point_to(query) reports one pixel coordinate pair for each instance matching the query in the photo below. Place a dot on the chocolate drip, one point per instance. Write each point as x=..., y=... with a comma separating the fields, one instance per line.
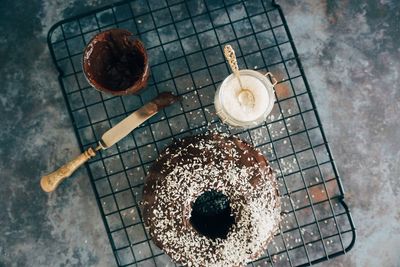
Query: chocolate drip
x=165, y=99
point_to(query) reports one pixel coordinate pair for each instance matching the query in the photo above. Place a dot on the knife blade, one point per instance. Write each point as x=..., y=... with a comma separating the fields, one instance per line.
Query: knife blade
x=50, y=182
x=124, y=127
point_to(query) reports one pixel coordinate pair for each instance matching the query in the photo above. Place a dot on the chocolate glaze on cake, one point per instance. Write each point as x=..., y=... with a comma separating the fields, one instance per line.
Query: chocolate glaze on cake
x=116, y=62
x=241, y=191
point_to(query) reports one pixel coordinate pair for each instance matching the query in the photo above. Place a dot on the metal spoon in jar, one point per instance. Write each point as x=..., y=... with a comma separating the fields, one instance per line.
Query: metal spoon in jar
x=245, y=96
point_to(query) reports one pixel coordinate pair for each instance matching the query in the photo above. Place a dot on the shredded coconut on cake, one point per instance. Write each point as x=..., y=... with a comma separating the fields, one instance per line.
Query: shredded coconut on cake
x=198, y=164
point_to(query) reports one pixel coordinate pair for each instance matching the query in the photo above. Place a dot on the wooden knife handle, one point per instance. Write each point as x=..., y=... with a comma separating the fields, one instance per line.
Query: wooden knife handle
x=50, y=182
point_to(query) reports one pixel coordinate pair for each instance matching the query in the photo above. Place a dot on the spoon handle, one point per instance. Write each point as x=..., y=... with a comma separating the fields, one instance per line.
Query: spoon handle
x=231, y=58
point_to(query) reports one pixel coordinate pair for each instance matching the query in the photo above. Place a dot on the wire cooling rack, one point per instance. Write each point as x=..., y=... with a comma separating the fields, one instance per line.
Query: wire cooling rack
x=184, y=40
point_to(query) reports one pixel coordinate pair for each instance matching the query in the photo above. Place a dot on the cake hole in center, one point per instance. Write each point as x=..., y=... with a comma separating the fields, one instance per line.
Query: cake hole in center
x=211, y=214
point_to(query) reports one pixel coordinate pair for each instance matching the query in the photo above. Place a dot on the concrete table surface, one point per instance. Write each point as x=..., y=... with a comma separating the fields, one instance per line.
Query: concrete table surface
x=351, y=55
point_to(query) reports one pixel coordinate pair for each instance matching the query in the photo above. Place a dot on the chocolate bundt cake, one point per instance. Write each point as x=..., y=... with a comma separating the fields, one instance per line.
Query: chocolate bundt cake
x=211, y=200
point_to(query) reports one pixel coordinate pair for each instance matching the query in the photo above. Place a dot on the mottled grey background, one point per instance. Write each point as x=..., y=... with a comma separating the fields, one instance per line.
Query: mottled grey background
x=351, y=55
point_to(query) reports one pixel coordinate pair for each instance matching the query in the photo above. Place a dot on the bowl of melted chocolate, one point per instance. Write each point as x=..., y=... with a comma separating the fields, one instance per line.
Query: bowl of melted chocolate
x=116, y=62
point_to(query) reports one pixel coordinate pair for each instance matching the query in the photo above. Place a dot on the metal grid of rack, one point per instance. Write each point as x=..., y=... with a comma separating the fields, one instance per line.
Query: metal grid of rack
x=184, y=40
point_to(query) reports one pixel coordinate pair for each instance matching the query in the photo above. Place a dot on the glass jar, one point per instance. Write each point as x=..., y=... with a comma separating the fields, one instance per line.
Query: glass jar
x=258, y=88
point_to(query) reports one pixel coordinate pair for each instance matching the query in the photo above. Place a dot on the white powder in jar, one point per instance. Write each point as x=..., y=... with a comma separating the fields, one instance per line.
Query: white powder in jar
x=234, y=108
